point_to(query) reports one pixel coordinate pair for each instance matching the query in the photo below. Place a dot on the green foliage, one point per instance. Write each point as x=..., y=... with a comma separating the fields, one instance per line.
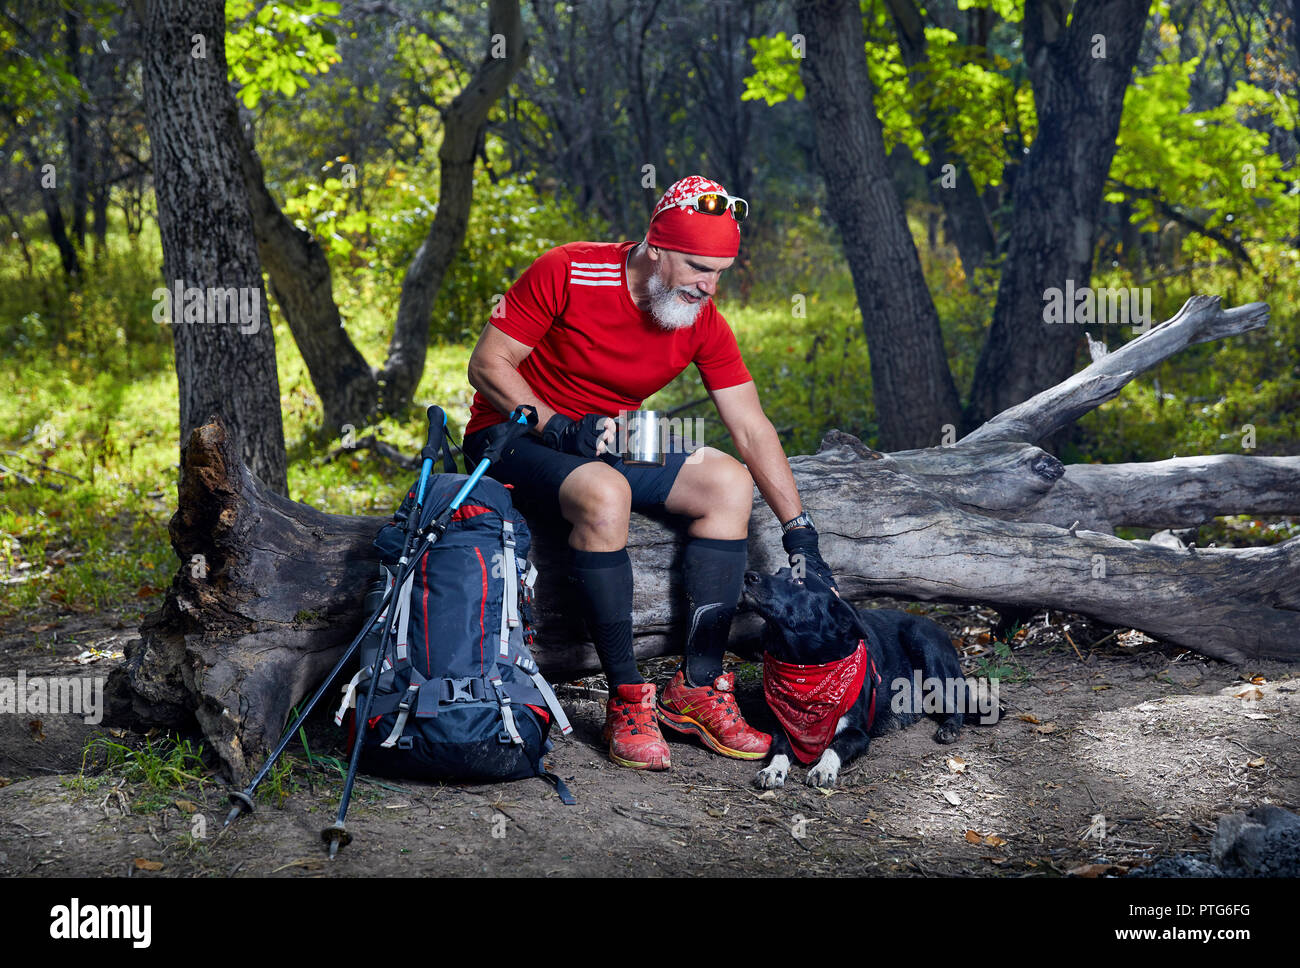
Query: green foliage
x=966, y=91
x=274, y=46
x=90, y=414
x=1213, y=164
x=776, y=71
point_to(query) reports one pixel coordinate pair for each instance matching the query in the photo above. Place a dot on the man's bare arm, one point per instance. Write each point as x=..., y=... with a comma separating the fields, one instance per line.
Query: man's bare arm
x=494, y=372
x=760, y=448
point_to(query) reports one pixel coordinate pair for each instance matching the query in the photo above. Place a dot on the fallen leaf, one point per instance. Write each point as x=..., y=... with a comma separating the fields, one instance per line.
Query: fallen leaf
x=141, y=864
x=952, y=798
x=1249, y=694
x=1089, y=870
x=993, y=840
x=1028, y=718
x=1258, y=680
x=1045, y=728
x=187, y=806
x=1256, y=762
x=956, y=764
x=1100, y=688
x=5, y=781
x=43, y=627
x=997, y=860
x=37, y=729
x=715, y=813
x=973, y=838
x=147, y=591
x=1049, y=785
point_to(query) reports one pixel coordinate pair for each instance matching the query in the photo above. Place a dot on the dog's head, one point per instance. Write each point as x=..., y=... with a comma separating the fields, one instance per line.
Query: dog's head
x=806, y=623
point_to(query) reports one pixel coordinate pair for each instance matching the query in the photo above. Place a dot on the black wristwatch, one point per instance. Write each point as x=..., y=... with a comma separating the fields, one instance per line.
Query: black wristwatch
x=801, y=521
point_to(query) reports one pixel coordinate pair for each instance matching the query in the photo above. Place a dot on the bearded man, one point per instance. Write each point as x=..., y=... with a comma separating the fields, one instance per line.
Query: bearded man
x=591, y=329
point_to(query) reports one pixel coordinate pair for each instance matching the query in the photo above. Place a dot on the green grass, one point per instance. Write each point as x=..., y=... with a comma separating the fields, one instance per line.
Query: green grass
x=157, y=770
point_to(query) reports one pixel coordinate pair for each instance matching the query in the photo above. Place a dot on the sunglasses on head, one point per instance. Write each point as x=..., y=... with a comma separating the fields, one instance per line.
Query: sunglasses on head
x=715, y=203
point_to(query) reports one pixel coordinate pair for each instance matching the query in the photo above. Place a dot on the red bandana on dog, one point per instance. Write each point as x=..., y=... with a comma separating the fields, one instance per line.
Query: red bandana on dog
x=810, y=699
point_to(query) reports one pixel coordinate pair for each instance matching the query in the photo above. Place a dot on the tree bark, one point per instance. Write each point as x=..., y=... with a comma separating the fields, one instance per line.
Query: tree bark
x=463, y=126
x=222, y=367
x=912, y=386
x=1079, y=98
x=969, y=225
x=351, y=391
x=270, y=591
x=304, y=289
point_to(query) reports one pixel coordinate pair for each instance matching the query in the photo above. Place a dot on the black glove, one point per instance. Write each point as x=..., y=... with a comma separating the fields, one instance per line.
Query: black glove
x=574, y=436
x=803, y=542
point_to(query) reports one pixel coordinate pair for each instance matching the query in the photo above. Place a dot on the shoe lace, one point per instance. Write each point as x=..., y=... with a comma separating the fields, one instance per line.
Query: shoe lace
x=640, y=716
x=726, y=703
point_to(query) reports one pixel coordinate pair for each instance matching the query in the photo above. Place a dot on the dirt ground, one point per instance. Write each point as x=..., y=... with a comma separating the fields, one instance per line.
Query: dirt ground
x=1110, y=754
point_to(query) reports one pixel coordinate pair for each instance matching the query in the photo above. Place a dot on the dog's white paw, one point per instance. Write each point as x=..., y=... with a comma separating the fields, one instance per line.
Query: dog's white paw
x=827, y=770
x=773, y=775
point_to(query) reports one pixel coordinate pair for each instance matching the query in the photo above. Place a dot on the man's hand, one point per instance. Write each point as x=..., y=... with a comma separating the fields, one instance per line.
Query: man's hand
x=591, y=436
x=801, y=545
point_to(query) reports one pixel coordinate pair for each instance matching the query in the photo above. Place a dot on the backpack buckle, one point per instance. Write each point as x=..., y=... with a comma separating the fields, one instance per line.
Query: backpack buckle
x=462, y=690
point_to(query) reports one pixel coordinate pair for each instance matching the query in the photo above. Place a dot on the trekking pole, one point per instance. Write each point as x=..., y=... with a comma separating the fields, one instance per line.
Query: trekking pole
x=242, y=800
x=336, y=835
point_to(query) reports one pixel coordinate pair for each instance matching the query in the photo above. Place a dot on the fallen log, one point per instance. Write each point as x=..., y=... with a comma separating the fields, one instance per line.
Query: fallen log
x=270, y=591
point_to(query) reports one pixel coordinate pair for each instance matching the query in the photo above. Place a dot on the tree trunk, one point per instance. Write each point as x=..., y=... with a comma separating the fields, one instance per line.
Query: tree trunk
x=969, y=225
x=58, y=231
x=224, y=365
x=1056, y=202
x=270, y=591
x=463, y=126
x=304, y=289
x=912, y=386
x=350, y=390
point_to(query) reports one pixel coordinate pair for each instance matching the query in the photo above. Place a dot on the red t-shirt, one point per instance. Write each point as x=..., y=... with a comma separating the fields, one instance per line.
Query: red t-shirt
x=594, y=351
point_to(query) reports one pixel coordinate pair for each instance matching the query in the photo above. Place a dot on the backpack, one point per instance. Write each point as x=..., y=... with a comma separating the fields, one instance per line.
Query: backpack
x=459, y=696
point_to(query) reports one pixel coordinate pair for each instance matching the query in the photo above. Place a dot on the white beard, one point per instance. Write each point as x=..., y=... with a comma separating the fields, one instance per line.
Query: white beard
x=668, y=310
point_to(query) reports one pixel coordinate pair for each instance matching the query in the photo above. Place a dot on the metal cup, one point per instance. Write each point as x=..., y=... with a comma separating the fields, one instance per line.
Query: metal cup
x=641, y=436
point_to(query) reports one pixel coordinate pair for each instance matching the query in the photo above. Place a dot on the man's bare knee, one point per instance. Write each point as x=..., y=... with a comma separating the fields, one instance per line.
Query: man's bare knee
x=597, y=501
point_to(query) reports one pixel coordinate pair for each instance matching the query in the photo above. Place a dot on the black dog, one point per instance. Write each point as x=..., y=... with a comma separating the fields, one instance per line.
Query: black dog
x=821, y=650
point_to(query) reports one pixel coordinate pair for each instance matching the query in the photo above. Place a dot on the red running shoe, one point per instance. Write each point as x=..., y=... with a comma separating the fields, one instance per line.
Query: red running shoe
x=711, y=713
x=631, y=731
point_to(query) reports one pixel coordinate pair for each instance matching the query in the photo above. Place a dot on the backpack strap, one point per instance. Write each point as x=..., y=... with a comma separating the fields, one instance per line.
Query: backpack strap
x=507, y=714
x=350, y=693
x=529, y=668
x=404, y=706
x=510, y=602
x=402, y=649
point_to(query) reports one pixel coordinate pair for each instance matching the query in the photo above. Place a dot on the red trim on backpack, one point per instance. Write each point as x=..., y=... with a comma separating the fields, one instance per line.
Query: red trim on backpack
x=469, y=511
x=541, y=711
x=482, y=606
x=424, y=571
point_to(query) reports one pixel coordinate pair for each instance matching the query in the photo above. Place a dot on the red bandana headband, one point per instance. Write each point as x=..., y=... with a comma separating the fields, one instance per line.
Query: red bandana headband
x=810, y=699
x=686, y=230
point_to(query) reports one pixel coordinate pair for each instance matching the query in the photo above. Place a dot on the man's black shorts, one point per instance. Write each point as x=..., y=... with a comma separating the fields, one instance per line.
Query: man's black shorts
x=537, y=471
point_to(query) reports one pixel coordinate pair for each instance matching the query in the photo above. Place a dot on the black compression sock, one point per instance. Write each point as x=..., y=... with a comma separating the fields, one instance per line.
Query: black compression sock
x=713, y=572
x=604, y=580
